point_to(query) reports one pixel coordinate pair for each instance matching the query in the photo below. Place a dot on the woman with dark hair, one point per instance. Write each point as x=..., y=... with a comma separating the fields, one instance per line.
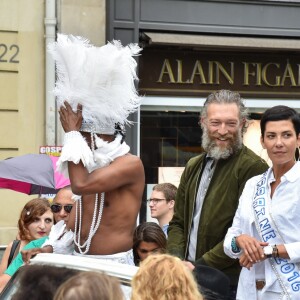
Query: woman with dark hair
x=265, y=234
x=148, y=238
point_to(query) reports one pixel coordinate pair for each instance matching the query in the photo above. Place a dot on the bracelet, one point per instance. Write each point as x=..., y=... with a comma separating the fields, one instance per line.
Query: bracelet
x=275, y=251
x=234, y=246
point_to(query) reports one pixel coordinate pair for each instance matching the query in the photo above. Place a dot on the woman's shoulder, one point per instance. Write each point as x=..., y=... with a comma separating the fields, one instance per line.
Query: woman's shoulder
x=253, y=180
x=8, y=247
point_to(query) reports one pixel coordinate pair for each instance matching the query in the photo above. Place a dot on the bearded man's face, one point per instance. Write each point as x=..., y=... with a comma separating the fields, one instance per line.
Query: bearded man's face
x=222, y=130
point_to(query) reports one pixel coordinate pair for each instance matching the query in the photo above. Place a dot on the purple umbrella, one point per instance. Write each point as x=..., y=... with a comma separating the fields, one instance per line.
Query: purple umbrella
x=32, y=174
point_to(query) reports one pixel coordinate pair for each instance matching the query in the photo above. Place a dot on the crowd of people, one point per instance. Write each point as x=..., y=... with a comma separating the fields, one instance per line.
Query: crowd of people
x=229, y=231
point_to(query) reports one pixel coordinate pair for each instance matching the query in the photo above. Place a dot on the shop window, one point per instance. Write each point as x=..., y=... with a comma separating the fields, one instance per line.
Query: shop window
x=168, y=139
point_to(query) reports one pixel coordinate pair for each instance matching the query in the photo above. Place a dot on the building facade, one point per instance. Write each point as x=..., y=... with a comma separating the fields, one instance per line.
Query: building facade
x=28, y=115
x=191, y=48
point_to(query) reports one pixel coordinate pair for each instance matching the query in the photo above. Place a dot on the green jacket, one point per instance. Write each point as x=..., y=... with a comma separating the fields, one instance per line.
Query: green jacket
x=218, y=210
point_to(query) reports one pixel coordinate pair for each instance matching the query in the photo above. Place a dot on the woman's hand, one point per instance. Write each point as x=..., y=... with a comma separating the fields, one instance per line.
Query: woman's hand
x=70, y=121
x=245, y=262
x=252, y=248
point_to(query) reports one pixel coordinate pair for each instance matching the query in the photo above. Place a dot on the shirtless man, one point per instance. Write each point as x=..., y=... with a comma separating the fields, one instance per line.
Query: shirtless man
x=122, y=181
x=95, y=94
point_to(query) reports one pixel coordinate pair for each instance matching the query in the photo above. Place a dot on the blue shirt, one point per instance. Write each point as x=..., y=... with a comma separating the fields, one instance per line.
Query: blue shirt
x=165, y=229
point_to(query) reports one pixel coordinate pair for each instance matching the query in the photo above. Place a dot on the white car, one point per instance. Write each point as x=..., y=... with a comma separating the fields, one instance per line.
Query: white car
x=122, y=272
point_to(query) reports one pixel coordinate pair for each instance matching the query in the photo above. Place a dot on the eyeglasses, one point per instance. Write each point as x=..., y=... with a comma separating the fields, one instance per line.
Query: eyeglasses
x=154, y=200
x=55, y=208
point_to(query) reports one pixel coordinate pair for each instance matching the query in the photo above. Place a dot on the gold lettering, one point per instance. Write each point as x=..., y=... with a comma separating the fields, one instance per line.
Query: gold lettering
x=288, y=73
x=247, y=72
x=211, y=72
x=198, y=70
x=166, y=70
x=219, y=68
x=258, y=74
x=179, y=72
x=264, y=75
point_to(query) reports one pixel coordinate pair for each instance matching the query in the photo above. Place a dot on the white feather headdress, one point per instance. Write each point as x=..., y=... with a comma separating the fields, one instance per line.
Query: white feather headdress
x=102, y=79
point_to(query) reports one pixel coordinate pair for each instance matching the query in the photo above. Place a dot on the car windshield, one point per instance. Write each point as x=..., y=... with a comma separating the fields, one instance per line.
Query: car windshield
x=71, y=266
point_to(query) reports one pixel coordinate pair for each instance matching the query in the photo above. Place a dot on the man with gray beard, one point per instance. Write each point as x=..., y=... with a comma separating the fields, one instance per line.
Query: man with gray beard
x=211, y=185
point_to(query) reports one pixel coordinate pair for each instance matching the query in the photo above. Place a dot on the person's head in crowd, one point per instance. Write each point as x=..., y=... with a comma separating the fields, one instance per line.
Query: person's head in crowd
x=212, y=283
x=90, y=286
x=148, y=238
x=62, y=204
x=276, y=114
x=162, y=202
x=41, y=281
x=280, y=113
x=164, y=277
x=36, y=220
x=223, y=121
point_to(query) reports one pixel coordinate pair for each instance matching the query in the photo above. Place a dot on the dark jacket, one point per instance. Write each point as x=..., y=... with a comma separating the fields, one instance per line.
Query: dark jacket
x=218, y=210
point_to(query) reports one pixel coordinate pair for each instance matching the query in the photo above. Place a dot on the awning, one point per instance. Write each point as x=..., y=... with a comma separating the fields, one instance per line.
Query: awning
x=209, y=41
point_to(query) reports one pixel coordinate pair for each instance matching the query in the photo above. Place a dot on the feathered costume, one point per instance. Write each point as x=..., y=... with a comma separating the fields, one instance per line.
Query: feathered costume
x=102, y=80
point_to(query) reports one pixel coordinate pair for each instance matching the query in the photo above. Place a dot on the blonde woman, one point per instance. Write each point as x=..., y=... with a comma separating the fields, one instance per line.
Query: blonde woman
x=164, y=277
x=90, y=286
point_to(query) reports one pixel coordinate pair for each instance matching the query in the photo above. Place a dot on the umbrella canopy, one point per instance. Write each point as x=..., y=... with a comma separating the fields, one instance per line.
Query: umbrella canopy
x=32, y=174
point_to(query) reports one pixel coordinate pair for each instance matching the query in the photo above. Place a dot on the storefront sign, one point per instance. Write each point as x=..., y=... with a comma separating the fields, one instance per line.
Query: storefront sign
x=51, y=150
x=197, y=73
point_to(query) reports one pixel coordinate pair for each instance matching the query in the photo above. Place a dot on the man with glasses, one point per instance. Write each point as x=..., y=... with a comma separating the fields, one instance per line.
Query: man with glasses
x=62, y=204
x=162, y=203
x=211, y=185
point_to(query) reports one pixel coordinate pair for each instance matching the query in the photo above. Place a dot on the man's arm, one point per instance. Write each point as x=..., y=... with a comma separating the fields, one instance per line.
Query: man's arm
x=176, y=241
x=216, y=256
x=252, y=169
x=123, y=171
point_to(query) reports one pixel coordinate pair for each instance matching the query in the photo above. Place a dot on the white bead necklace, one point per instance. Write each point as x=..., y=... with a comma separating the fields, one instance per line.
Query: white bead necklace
x=94, y=226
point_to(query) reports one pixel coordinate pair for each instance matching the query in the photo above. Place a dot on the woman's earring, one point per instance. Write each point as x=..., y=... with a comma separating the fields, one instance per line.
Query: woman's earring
x=297, y=154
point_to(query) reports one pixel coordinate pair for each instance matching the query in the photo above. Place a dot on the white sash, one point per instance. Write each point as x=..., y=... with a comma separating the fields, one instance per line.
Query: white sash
x=286, y=272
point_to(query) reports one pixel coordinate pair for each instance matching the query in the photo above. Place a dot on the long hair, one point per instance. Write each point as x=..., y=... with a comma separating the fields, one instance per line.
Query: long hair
x=164, y=277
x=149, y=232
x=32, y=209
x=89, y=286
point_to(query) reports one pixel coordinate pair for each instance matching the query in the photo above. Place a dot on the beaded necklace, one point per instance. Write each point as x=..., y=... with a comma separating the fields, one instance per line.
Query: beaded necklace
x=105, y=154
x=97, y=215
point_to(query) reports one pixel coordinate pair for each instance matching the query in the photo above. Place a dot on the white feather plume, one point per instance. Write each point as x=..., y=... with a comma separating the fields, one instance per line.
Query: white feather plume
x=102, y=79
